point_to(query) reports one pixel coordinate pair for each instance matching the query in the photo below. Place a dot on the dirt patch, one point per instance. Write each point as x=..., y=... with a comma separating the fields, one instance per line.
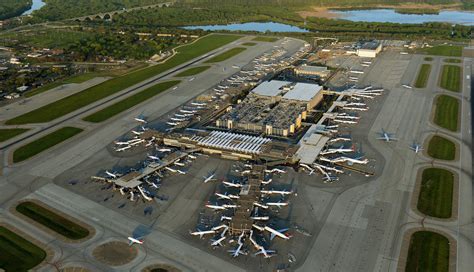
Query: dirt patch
x=115, y=253
x=161, y=268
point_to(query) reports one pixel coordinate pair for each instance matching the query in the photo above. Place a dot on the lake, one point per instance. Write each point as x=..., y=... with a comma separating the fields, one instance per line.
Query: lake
x=37, y=4
x=390, y=16
x=259, y=27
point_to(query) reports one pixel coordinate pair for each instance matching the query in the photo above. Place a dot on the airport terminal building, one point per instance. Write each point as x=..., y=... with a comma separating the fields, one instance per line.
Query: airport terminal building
x=273, y=108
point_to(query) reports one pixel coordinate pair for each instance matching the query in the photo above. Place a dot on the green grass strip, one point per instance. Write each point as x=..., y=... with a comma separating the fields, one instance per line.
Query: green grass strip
x=249, y=44
x=443, y=50
x=129, y=102
x=52, y=220
x=441, y=148
x=428, y=251
x=74, y=79
x=452, y=60
x=226, y=55
x=436, y=194
x=265, y=39
x=428, y=58
x=76, y=101
x=193, y=71
x=447, y=111
x=7, y=133
x=451, y=78
x=423, y=76
x=17, y=253
x=29, y=150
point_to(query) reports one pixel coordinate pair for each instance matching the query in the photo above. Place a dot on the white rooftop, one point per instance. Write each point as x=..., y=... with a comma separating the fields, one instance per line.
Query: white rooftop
x=303, y=92
x=270, y=88
x=310, y=147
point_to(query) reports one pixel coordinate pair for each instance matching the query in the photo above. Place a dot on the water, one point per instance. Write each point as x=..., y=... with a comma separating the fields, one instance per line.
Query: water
x=260, y=27
x=390, y=16
x=37, y=4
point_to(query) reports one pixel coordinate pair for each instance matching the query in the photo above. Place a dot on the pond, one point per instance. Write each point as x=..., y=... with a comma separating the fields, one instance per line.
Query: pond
x=254, y=26
x=391, y=16
x=37, y=4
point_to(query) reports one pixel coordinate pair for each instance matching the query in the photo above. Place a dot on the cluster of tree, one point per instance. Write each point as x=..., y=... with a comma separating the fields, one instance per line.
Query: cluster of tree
x=12, y=8
x=121, y=46
x=292, y=3
x=63, y=9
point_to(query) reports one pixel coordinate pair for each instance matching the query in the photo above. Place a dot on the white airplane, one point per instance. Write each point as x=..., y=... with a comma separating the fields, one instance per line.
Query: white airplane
x=341, y=149
x=235, y=66
x=181, y=172
x=122, y=143
x=272, y=192
x=386, y=136
x=260, y=205
x=209, y=178
x=236, y=252
x=112, y=175
x=123, y=148
x=280, y=233
x=277, y=204
x=226, y=218
x=217, y=242
x=416, y=147
x=365, y=65
x=407, y=86
x=356, y=72
x=261, y=218
x=198, y=104
x=201, y=233
x=227, y=196
x=180, y=115
x=177, y=120
x=192, y=157
x=143, y=194
x=172, y=124
x=275, y=170
x=231, y=184
x=163, y=150
x=135, y=241
x=266, y=182
x=137, y=132
x=188, y=111
x=140, y=119
x=215, y=207
x=191, y=79
x=403, y=53
x=175, y=87
x=267, y=253
x=171, y=169
x=179, y=163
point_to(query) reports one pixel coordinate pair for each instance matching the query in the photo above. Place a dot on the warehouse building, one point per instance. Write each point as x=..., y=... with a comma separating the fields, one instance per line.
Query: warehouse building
x=273, y=108
x=369, y=49
x=309, y=70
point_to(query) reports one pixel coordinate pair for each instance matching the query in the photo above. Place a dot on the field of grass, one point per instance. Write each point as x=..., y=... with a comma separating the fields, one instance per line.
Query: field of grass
x=129, y=102
x=17, y=253
x=428, y=251
x=8, y=133
x=436, y=194
x=249, y=44
x=443, y=50
x=52, y=220
x=76, y=101
x=452, y=60
x=226, y=55
x=446, y=114
x=265, y=39
x=31, y=149
x=428, y=58
x=423, y=76
x=193, y=71
x=451, y=78
x=441, y=148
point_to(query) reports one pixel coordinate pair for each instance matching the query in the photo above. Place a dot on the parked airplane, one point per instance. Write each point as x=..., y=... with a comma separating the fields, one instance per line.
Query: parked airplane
x=217, y=242
x=201, y=233
x=181, y=172
x=135, y=241
x=209, y=178
x=123, y=148
x=138, y=133
x=386, y=136
x=163, y=150
x=407, y=86
x=215, y=207
x=173, y=124
x=278, y=204
x=232, y=184
x=280, y=233
x=416, y=147
x=141, y=119
x=112, y=175
x=267, y=253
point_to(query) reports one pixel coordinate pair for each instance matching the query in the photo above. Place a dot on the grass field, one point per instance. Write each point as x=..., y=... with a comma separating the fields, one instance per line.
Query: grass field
x=52, y=220
x=446, y=114
x=423, y=76
x=441, y=148
x=129, y=102
x=452, y=60
x=436, y=194
x=265, y=39
x=29, y=150
x=428, y=251
x=17, y=253
x=428, y=58
x=451, y=78
x=193, y=71
x=226, y=55
x=443, y=50
x=249, y=44
x=7, y=133
x=76, y=101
